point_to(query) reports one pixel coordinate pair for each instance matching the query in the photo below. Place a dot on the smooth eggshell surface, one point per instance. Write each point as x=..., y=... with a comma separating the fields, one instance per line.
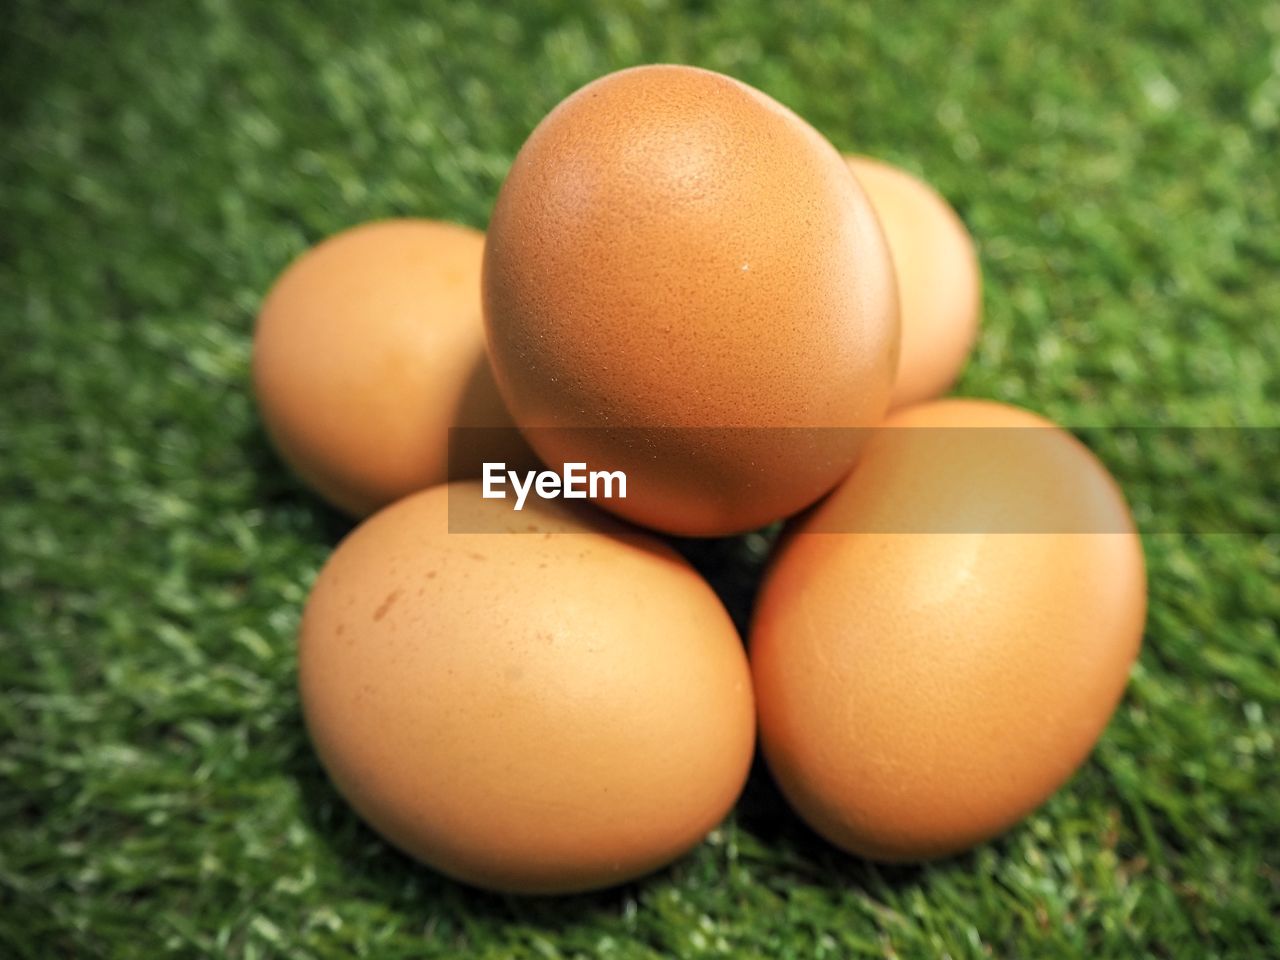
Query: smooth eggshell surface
x=556, y=707
x=919, y=692
x=939, y=279
x=368, y=348
x=673, y=249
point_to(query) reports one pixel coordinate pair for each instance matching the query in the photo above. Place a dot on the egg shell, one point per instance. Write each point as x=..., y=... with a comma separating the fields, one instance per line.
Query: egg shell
x=555, y=705
x=939, y=279
x=920, y=692
x=368, y=348
x=673, y=249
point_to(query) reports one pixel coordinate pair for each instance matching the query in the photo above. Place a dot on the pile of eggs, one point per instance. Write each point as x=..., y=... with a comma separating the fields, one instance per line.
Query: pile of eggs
x=553, y=700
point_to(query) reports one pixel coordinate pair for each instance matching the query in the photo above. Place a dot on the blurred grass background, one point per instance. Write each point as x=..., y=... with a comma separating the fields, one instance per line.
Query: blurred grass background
x=160, y=163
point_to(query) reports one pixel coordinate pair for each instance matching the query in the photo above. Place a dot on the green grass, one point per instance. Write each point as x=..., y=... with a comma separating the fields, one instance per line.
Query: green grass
x=160, y=164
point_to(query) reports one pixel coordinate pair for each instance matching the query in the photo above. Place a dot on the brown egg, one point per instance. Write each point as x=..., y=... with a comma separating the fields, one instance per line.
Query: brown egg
x=672, y=252
x=940, y=643
x=554, y=705
x=939, y=280
x=368, y=349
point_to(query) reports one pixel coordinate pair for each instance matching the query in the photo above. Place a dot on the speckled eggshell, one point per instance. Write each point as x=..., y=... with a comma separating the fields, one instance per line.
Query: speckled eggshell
x=919, y=692
x=675, y=249
x=368, y=348
x=556, y=708
x=939, y=279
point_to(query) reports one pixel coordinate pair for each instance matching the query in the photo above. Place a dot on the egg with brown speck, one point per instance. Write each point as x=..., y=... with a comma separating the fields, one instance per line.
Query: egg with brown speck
x=550, y=703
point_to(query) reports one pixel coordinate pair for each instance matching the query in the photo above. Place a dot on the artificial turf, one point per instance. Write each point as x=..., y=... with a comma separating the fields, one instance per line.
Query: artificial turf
x=160, y=163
